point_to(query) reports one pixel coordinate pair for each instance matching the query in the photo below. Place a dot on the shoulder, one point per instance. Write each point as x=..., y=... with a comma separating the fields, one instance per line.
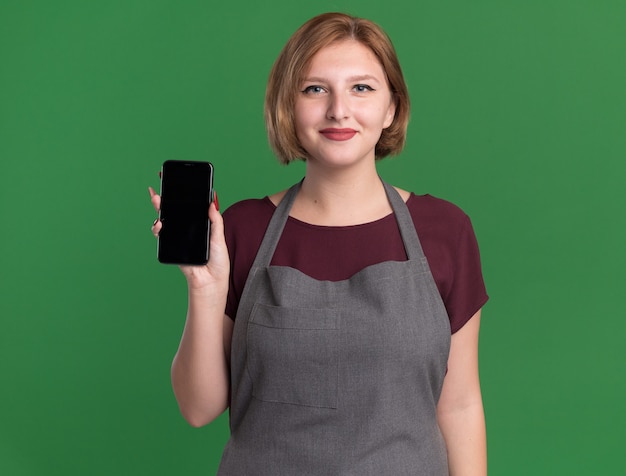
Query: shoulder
x=247, y=215
x=248, y=208
x=430, y=209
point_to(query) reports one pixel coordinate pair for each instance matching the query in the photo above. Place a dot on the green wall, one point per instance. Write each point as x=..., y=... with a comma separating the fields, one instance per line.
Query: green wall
x=519, y=117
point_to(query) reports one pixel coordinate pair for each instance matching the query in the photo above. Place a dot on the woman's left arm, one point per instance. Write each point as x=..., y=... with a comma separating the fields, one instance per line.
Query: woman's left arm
x=460, y=409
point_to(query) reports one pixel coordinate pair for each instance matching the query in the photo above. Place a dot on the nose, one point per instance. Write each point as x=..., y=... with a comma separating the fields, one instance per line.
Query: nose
x=338, y=107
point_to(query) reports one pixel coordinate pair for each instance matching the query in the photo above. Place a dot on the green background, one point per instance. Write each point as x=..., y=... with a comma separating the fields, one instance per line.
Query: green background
x=519, y=117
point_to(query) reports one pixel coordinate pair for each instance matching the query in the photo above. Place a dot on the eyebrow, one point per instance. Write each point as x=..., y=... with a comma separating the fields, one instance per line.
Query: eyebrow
x=351, y=79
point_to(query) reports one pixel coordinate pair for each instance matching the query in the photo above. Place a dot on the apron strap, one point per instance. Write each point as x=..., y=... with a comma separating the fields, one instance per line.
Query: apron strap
x=275, y=228
x=277, y=223
x=411, y=241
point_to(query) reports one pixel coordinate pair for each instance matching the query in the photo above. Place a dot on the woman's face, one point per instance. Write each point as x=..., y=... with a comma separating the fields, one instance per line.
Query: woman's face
x=343, y=105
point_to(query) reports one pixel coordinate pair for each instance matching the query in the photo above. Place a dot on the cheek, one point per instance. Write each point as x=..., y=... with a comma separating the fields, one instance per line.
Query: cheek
x=298, y=118
x=302, y=125
x=302, y=115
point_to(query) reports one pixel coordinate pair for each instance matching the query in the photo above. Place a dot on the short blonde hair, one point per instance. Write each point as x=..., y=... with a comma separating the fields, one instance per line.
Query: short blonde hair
x=291, y=65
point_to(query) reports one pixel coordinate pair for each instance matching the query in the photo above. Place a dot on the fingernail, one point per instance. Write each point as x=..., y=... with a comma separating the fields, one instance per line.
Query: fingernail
x=217, y=202
x=155, y=222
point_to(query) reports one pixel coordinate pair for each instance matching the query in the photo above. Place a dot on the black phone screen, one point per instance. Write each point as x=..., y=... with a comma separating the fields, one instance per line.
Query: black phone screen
x=186, y=193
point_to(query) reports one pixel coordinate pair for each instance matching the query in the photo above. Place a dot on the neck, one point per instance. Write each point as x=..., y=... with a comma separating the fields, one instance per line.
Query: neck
x=341, y=197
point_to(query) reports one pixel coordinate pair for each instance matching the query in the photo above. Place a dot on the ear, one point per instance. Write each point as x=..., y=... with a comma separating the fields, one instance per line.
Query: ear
x=391, y=112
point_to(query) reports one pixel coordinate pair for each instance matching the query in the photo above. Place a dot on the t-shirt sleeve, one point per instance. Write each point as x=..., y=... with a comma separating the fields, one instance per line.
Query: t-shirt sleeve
x=244, y=226
x=232, y=299
x=467, y=293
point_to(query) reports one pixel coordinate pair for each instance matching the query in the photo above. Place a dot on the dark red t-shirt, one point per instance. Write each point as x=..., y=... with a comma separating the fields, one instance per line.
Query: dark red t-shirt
x=337, y=253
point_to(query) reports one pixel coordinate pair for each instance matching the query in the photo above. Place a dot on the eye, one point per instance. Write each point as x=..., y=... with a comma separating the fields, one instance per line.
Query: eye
x=313, y=89
x=362, y=88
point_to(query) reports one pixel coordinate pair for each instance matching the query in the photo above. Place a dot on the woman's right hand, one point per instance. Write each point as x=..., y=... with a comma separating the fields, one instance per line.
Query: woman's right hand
x=216, y=271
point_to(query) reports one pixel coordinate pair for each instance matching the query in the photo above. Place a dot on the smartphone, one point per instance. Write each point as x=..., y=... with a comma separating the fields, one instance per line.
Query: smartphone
x=186, y=193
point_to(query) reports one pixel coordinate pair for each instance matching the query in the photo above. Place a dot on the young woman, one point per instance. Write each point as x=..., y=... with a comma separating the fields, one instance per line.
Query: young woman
x=338, y=321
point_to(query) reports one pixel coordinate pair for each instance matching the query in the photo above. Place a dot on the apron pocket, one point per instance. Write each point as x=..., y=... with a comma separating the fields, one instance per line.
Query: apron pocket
x=293, y=355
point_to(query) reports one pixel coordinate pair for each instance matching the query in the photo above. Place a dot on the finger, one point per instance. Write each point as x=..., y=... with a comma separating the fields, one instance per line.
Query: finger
x=156, y=227
x=155, y=198
x=216, y=201
x=218, y=253
x=217, y=224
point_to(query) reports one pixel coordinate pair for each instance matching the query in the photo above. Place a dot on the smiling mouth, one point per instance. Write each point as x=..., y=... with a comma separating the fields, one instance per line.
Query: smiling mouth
x=338, y=134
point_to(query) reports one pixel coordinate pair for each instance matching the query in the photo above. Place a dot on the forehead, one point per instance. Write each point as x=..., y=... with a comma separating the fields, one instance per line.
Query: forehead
x=345, y=55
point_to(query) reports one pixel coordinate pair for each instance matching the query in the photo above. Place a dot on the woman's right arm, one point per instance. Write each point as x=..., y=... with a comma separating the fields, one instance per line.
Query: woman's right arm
x=200, y=370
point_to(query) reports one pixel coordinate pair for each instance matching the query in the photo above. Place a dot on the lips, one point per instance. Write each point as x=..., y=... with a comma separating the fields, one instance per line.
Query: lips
x=338, y=134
